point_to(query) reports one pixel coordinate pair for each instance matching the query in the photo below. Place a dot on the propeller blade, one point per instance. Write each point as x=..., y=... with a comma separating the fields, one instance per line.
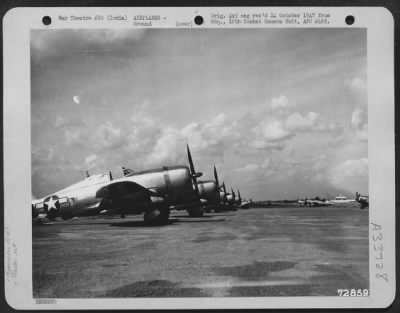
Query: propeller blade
x=190, y=160
x=239, y=195
x=191, y=165
x=223, y=186
x=193, y=171
x=233, y=194
x=216, y=176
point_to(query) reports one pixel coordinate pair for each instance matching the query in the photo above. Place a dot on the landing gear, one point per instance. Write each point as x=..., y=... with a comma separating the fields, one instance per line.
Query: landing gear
x=196, y=212
x=156, y=217
x=66, y=217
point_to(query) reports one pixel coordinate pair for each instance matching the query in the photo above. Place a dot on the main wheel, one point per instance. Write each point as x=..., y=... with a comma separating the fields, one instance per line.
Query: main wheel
x=196, y=212
x=156, y=217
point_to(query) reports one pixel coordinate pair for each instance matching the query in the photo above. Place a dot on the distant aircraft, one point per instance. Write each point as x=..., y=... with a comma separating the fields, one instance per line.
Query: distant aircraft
x=362, y=200
x=243, y=204
x=313, y=202
x=230, y=197
x=301, y=202
x=152, y=192
x=341, y=199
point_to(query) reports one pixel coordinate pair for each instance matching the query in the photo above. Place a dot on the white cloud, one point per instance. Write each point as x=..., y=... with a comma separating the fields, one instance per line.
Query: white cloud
x=107, y=136
x=248, y=168
x=359, y=122
x=319, y=162
x=168, y=149
x=281, y=104
x=341, y=174
x=356, y=83
x=90, y=161
x=310, y=121
x=73, y=135
x=42, y=155
x=358, y=118
x=272, y=131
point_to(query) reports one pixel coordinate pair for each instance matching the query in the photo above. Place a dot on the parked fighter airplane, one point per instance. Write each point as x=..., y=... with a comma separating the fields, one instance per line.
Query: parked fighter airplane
x=209, y=190
x=243, y=204
x=153, y=192
x=362, y=200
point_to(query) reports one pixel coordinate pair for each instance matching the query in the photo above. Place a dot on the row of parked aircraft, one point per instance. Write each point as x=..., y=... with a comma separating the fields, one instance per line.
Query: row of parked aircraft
x=154, y=192
x=362, y=200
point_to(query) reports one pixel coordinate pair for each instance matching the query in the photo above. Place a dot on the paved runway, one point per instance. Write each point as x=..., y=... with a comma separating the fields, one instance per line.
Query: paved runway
x=293, y=251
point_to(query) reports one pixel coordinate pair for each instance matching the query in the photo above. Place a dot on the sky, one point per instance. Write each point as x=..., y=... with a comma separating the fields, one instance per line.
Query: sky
x=282, y=113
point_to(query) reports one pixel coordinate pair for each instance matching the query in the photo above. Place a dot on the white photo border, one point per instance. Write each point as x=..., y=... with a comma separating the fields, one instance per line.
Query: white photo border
x=17, y=24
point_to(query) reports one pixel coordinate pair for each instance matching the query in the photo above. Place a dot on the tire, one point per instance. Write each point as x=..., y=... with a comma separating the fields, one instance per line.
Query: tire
x=156, y=217
x=196, y=212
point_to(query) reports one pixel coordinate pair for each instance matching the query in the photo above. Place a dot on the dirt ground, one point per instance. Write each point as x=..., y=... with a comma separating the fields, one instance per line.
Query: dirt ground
x=293, y=251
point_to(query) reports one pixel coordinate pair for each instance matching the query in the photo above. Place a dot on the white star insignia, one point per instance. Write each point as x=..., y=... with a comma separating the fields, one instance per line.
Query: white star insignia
x=51, y=204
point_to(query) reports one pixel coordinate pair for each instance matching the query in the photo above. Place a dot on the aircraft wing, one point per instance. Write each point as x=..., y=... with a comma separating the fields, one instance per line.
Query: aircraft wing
x=127, y=194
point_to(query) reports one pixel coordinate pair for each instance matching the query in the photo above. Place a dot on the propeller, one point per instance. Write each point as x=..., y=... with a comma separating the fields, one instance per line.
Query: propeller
x=193, y=173
x=223, y=186
x=216, y=177
x=240, y=199
x=233, y=194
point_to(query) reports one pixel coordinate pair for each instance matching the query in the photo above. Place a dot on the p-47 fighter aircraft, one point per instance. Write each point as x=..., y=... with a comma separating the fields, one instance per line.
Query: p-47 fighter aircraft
x=152, y=192
x=242, y=203
x=210, y=191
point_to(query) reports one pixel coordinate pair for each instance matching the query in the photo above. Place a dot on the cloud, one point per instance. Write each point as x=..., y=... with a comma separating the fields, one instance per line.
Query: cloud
x=359, y=123
x=271, y=131
x=308, y=122
x=74, y=135
x=90, y=161
x=207, y=140
x=248, y=168
x=42, y=155
x=356, y=84
x=348, y=170
x=107, y=136
x=167, y=149
x=281, y=104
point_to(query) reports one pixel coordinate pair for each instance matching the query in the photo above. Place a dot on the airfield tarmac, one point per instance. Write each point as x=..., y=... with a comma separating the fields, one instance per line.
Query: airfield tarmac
x=285, y=251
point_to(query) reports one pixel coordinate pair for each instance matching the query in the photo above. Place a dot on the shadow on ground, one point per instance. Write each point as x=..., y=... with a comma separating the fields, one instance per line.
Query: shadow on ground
x=154, y=288
x=271, y=291
x=258, y=271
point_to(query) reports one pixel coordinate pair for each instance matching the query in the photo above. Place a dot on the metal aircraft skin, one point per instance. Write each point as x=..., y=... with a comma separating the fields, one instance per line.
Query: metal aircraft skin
x=210, y=191
x=362, y=200
x=153, y=192
x=243, y=204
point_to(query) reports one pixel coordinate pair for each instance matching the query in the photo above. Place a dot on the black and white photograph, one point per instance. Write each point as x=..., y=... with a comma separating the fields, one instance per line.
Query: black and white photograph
x=184, y=162
x=211, y=162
